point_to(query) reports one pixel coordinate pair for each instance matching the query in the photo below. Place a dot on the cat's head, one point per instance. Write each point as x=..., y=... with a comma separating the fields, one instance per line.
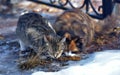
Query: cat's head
x=55, y=45
x=75, y=43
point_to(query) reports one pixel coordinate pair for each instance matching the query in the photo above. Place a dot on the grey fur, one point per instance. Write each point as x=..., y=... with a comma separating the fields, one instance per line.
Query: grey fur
x=32, y=30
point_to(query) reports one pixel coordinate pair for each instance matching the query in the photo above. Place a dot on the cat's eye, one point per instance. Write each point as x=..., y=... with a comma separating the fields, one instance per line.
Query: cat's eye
x=61, y=44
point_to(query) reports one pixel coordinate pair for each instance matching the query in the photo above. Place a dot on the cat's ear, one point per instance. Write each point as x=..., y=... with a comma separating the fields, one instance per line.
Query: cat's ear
x=63, y=40
x=47, y=38
x=67, y=35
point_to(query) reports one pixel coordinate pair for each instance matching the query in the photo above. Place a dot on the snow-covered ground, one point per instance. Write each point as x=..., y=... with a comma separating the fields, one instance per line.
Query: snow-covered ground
x=99, y=63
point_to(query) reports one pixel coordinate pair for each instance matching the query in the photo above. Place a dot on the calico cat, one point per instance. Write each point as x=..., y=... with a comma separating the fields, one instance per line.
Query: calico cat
x=76, y=23
x=73, y=42
x=36, y=32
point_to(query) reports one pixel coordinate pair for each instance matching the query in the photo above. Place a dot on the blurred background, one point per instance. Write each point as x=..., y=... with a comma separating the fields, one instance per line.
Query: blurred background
x=10, y=10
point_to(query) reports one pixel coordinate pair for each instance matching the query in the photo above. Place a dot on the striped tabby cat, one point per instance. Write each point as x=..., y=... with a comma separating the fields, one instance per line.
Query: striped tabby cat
x=36, y=32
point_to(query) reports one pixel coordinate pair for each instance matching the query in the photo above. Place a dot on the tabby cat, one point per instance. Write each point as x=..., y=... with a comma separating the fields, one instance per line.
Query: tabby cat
x=36, y=32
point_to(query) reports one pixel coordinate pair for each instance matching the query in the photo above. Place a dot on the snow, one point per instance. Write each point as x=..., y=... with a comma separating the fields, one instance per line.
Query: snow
x=8, y=30
x=70, y=54
x=99, y=63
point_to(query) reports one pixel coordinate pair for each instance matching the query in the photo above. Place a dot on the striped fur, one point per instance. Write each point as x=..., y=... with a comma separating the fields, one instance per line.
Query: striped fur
x=36, y=32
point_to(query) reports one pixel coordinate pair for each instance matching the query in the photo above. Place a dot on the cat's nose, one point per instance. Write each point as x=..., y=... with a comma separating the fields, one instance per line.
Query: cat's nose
x=56, y=56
